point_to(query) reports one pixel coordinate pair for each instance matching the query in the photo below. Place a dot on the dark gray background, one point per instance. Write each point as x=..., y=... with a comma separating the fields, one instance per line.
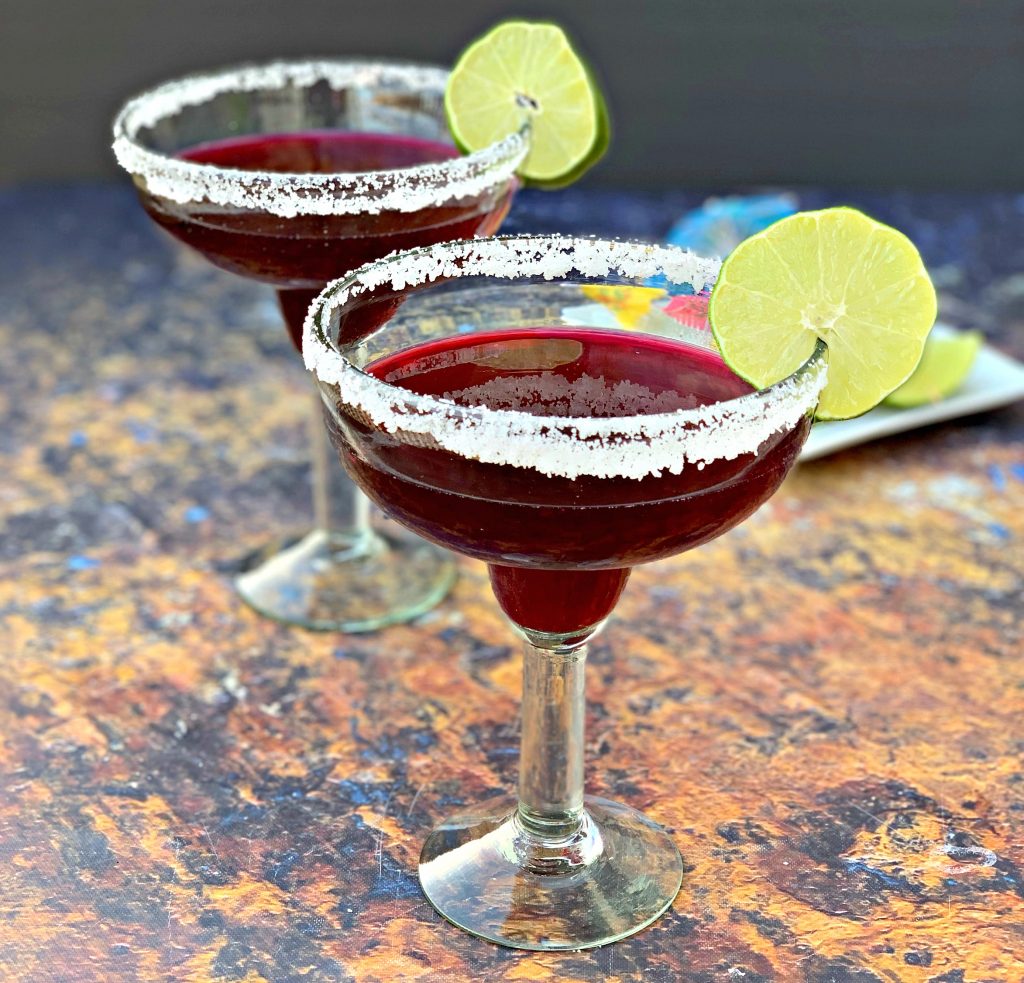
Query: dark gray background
x=921, y=93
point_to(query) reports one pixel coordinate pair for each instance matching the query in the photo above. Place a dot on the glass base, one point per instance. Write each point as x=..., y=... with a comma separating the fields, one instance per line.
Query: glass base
x=488, y=875
x=329, y=582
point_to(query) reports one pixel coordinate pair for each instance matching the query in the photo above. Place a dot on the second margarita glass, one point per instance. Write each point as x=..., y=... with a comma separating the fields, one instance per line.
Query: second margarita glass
x=471, y=395
x=292, y=173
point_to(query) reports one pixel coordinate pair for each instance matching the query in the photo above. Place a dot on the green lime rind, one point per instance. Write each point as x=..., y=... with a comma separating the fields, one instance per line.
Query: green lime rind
x=835, y=275
x=944, y=366
x=525, y=73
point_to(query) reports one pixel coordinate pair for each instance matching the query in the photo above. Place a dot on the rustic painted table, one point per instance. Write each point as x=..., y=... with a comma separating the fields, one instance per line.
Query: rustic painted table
x=824, y=706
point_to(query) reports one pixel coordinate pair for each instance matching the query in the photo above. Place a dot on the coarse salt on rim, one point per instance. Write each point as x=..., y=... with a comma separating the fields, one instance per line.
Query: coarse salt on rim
x=288, y=194
x=565, y=446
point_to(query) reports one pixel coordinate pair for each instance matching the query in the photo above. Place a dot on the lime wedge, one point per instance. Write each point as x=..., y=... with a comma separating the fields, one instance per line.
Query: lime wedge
x=522, y=72
x=837, y=275
x=941, y=371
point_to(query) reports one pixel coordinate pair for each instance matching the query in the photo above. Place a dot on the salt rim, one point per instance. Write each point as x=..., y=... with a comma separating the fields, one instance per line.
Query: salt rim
x=625, y=446
x=404, y=189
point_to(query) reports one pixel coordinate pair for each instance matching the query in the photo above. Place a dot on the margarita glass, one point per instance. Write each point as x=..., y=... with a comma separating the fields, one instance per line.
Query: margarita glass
x=292, y=173
x=466, y=398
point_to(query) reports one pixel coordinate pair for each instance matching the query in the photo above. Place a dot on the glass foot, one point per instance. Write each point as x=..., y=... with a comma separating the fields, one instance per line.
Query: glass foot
x=613, y=877
x=329, y=583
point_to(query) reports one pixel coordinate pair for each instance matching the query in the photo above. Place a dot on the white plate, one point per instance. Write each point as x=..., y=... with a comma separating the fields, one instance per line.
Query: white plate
x=995, y=380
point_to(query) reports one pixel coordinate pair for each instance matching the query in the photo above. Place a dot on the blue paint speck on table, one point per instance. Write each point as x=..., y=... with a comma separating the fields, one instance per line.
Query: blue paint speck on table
x=142, y=432
x=78, y=562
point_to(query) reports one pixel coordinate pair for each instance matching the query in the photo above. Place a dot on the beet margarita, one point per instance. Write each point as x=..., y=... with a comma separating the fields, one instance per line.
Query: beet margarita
x=560, y=549
x=299, y=254
x=485, y=419
x=291, y=173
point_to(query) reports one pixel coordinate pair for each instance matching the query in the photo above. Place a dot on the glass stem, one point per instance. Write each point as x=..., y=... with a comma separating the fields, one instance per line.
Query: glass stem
x=339, y=507
x=551, y=750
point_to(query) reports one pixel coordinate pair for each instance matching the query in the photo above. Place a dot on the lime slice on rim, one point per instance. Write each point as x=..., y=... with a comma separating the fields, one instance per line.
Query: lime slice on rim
x=941, y=371
x=528, y=72
x=858, y=285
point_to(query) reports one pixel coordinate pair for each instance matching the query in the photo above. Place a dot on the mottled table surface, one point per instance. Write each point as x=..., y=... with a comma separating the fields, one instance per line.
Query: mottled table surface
x=824, y=706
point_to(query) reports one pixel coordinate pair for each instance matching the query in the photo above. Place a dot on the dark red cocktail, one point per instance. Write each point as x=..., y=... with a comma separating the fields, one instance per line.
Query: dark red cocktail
x=561, y=455
x=299, y=254
x=559, y=549
x=292, y=173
